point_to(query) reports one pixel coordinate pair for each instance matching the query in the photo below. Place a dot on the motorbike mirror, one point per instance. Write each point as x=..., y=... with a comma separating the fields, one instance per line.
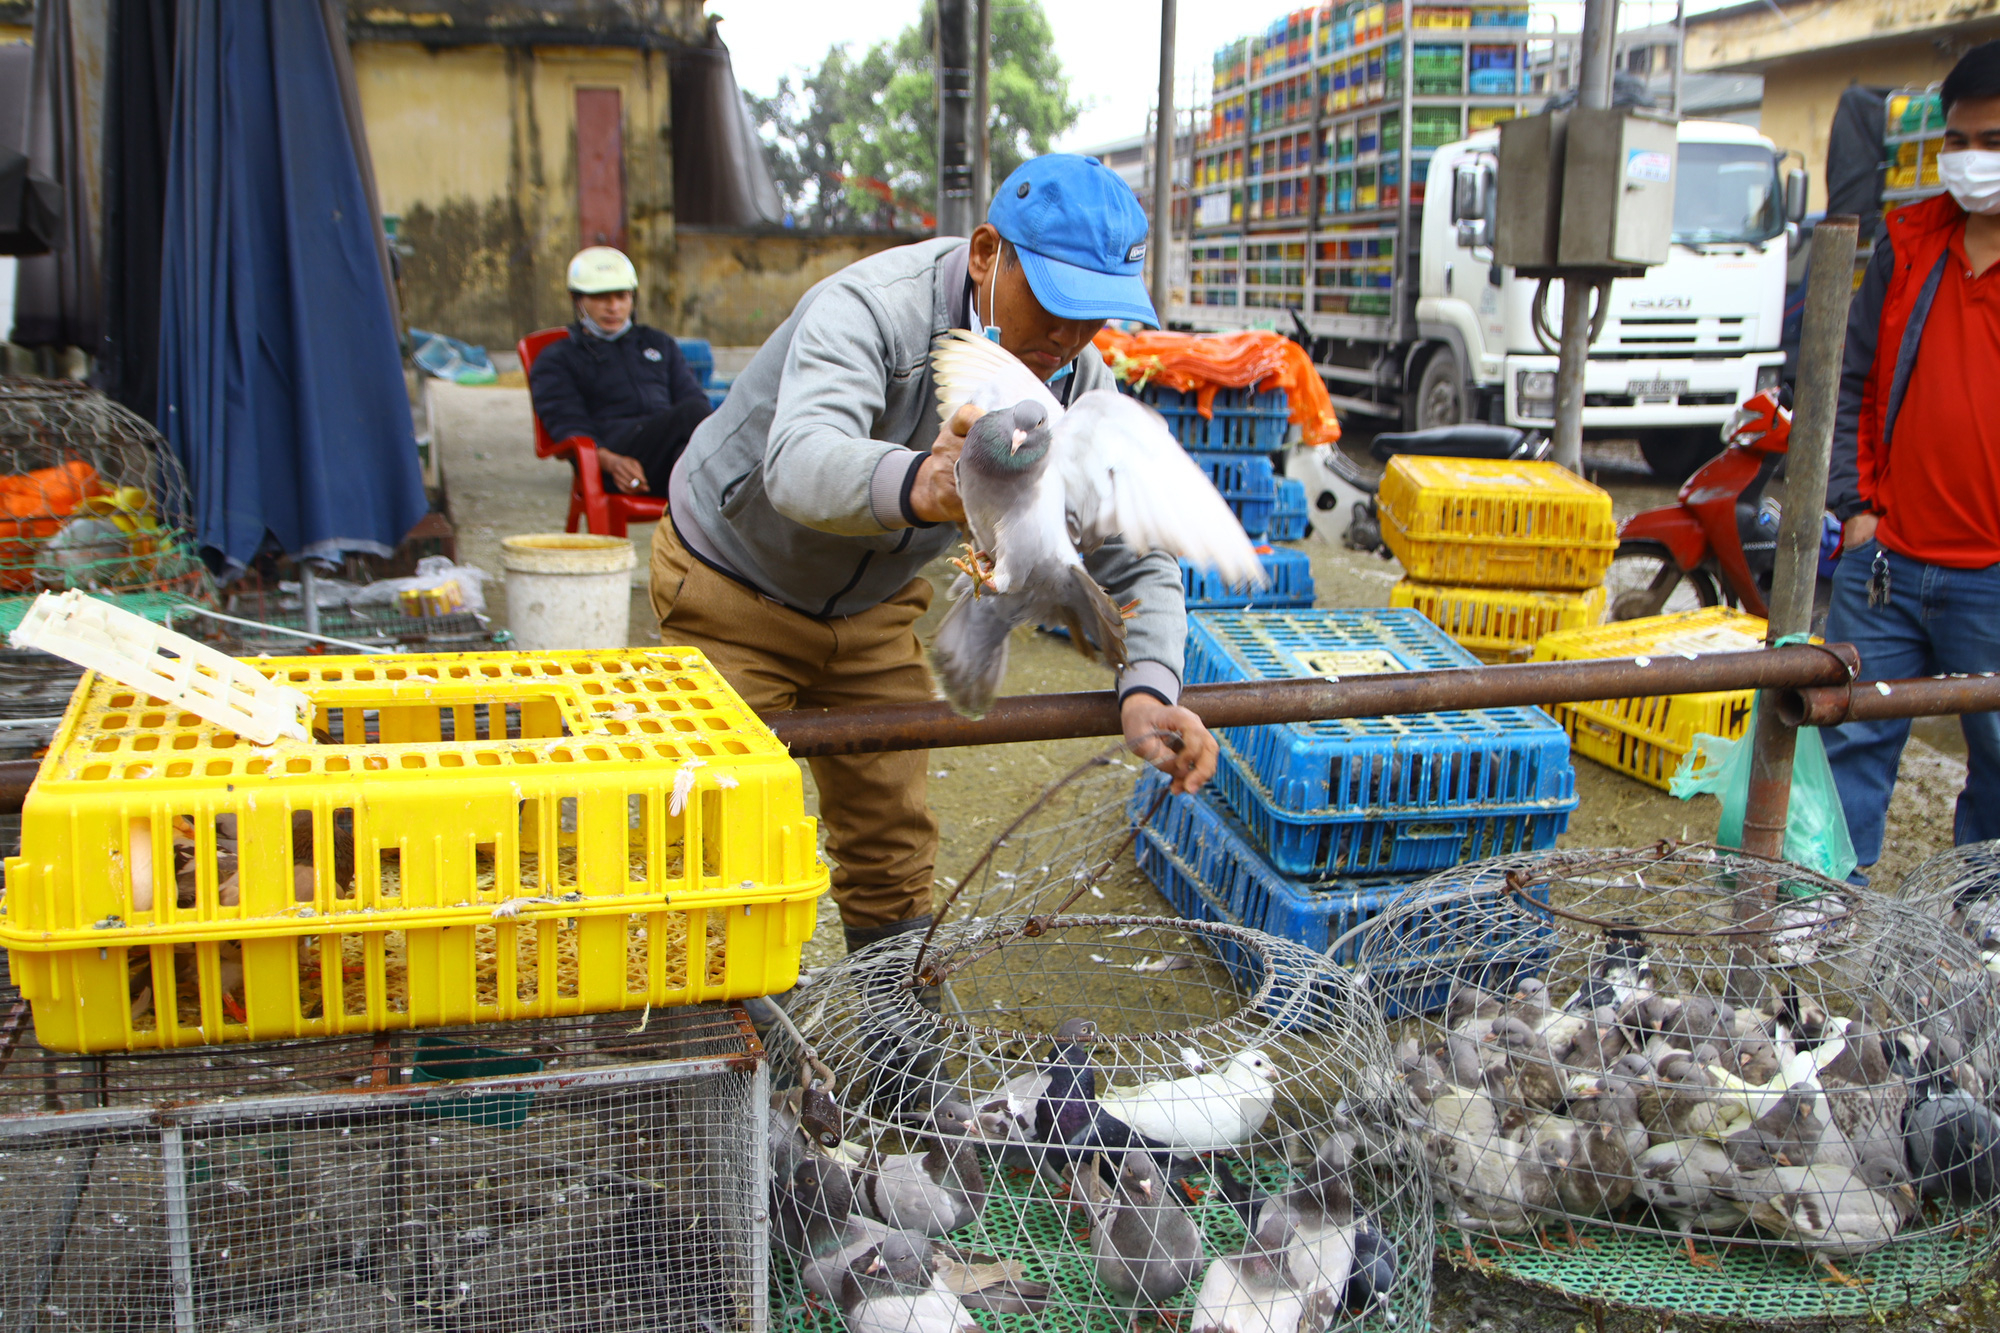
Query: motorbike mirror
x=1796, y=182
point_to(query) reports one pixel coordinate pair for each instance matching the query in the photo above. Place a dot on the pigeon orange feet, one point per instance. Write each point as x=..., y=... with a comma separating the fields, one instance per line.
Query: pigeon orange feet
x=1697, y=1258
x=1129, y=611
x=977, y=566
x=1846, y=1280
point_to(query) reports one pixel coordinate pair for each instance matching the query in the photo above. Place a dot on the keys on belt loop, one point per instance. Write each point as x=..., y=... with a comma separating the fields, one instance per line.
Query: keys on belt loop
x=1878, y=580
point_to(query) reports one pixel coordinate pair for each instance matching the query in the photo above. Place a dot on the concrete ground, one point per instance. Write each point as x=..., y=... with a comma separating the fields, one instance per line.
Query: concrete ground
x=497, y=488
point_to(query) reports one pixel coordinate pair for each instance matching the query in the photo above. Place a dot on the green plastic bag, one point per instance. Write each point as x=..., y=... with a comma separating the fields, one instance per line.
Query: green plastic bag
x=1815, y=829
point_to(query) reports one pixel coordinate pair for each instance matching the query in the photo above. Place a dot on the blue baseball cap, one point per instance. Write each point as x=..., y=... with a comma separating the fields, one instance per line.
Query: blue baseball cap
x=1080, y=235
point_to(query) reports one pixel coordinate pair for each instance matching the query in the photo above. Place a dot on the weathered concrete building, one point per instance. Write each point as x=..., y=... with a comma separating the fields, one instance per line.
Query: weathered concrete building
x=1808, y=51
x=507, y=134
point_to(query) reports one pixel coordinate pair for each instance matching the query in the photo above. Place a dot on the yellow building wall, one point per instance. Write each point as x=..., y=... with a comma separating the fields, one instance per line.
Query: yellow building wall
x=1800, y=96
x=734, y=287
x=474, y=150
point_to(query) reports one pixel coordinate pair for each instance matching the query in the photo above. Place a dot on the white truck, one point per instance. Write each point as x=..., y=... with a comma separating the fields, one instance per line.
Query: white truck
x=1680, y=347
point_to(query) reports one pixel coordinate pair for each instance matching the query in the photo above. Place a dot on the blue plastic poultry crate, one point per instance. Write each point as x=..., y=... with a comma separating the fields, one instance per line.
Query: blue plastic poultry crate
x=1248, y=482
x=700, y=358
x=1202, y=860
x=1293, y=513
x=1239, y=420
x=1291, y=584
x=1386, y=795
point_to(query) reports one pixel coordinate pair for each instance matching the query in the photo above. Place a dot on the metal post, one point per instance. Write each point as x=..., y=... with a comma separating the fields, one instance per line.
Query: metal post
x=1163, y=164
x=954, y=86
x=982, y=113
x=1600, y=26
x=1829, y=285
x=180, y=1235
x=1680, y=50
x=309, y=595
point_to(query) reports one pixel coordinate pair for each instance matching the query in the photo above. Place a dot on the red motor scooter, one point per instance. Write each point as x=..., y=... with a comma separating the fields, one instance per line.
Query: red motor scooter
x=1718, y=545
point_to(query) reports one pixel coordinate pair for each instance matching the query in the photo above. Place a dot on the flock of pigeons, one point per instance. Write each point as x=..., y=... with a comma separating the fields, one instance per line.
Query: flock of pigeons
x=868, y=1232
x=1681, y=1112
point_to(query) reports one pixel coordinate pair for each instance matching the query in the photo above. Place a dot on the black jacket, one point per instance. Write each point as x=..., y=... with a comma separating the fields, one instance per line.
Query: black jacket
x=585, y=385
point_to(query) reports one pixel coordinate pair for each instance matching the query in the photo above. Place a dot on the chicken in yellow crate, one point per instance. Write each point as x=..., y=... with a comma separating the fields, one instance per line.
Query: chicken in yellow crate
x=1648, y=738
x=1499, y=624
x=463, y=838
x=1496, y=523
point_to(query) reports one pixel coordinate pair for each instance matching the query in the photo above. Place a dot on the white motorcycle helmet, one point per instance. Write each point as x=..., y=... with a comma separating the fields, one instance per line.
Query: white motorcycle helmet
x=598, y=269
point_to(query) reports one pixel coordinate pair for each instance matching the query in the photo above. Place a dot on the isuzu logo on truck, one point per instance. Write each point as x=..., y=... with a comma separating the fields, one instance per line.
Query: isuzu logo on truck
x=1662, y=303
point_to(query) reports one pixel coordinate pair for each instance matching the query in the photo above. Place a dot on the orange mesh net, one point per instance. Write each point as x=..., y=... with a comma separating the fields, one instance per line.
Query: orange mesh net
x=1201, y=363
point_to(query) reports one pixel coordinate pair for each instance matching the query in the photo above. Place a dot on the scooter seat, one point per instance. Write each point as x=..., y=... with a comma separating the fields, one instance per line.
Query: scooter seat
x=1477, y=440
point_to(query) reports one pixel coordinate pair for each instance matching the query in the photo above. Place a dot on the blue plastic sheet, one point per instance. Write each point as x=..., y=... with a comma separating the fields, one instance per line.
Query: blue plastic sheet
x=281, y=386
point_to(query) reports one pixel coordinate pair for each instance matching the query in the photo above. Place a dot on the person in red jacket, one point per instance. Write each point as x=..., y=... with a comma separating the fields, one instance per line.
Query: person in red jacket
x=1915, y=475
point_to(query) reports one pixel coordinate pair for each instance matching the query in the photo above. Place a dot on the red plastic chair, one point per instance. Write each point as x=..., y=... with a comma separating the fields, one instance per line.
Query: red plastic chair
x=607, y=512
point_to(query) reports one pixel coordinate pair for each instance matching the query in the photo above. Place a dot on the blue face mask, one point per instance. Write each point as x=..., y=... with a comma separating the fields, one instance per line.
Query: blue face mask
x=596, y=330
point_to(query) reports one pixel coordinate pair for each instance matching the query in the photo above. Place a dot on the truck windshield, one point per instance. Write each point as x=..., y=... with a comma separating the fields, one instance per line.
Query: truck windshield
x=1727, y=193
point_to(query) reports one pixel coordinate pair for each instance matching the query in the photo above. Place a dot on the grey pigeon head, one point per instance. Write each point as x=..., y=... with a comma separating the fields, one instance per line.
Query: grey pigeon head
x=1076, y=1029
x=1011, y=439
x=907, y=1259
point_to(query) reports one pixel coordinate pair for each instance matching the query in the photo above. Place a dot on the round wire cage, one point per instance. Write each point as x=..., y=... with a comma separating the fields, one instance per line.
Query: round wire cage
x=1692, y=1081
x=90, y=497
x=1963, y=884
x=1228, y=1111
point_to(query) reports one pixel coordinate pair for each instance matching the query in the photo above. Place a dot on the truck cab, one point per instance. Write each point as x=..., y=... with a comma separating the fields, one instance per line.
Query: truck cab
x=1680, y=347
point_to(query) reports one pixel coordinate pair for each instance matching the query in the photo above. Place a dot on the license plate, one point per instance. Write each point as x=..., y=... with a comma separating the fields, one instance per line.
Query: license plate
x=1656, y=388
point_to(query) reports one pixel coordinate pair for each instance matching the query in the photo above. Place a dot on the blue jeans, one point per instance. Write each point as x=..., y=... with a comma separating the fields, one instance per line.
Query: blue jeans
x=1936, y=622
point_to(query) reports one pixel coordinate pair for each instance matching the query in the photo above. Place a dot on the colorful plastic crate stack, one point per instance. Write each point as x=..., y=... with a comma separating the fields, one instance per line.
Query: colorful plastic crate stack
x=1648, y=738
x=540, y=834
x=1497, y=553
x=1312, y=826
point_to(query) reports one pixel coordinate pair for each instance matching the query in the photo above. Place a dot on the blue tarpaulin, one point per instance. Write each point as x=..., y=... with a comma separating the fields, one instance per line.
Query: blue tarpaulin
x=281, y=386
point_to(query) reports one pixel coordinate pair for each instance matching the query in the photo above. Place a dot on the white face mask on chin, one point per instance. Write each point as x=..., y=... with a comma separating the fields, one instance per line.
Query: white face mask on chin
x=1973, y=177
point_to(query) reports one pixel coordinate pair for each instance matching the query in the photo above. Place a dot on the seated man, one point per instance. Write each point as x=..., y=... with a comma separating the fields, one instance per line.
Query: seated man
x=621, y=383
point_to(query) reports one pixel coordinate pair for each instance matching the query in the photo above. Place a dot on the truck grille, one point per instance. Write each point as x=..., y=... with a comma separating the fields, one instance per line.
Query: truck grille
x=1680, y=332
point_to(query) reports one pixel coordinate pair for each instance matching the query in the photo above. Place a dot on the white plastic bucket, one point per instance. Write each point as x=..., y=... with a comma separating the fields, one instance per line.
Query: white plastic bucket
x=568, y=590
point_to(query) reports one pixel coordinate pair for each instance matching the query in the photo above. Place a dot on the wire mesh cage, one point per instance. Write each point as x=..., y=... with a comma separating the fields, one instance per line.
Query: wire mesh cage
x=1962, y=883
x=581, y=1174
x=1093, y=1120
x=90, y=497
x=1697, y=1082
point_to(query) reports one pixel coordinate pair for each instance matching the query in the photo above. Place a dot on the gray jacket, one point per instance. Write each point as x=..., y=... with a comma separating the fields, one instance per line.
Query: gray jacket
x=799, y=483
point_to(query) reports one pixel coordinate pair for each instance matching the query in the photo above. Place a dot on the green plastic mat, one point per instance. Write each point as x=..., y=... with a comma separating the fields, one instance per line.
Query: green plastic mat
x=154, y=606
x=1024, y=1221
x=1758, y=1282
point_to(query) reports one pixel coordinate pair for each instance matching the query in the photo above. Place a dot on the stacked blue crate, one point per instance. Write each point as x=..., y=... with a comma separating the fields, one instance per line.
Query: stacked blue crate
x=1248, y=482
x=1205, y=862
x=1239, y=420
x=1293, y=514
x=1401, y=795
x=1290, y=584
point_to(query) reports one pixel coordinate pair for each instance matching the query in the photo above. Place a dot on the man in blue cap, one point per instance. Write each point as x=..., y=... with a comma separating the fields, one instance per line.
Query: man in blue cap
x=804, y=510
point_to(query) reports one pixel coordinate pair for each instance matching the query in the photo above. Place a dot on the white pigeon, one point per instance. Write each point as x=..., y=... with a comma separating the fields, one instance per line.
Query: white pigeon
x=1043, y=486
x=1201, y=1113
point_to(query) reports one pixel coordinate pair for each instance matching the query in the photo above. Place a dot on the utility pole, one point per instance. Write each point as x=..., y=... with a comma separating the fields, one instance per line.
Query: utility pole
x=1163, y=164
x=1600, y=26
x=982, y=113
x=1680, y=51
x=954, y=149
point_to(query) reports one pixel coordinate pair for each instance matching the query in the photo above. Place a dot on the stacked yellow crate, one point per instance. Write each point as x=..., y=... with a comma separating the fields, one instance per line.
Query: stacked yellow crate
x=1649, y=737
x=468, y=838
x=1497, y=553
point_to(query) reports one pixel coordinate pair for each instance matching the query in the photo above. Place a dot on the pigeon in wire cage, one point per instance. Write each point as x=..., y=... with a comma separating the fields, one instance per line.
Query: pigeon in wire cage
x=1043, y=487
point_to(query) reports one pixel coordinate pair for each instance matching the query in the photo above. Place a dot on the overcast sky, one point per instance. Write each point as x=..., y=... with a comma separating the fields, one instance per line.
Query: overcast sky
x=1110, y=51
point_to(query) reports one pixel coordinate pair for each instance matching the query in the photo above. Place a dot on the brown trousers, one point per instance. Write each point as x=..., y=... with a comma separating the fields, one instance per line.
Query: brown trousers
x=881, y=835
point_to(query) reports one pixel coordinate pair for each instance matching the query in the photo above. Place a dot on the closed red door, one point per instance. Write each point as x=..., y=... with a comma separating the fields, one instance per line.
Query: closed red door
x=600, y=168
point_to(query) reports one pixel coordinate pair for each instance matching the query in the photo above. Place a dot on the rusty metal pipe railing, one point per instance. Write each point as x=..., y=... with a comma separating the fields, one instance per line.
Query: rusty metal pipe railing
x=1871, y=701
x=1047, y=717
x=1067, y=716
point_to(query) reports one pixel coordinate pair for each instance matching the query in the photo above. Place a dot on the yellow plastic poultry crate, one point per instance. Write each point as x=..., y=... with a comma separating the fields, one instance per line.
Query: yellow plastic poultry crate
x=1648, y=737
x=1499, y=624
x=1496, y=523
x=467, y=838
